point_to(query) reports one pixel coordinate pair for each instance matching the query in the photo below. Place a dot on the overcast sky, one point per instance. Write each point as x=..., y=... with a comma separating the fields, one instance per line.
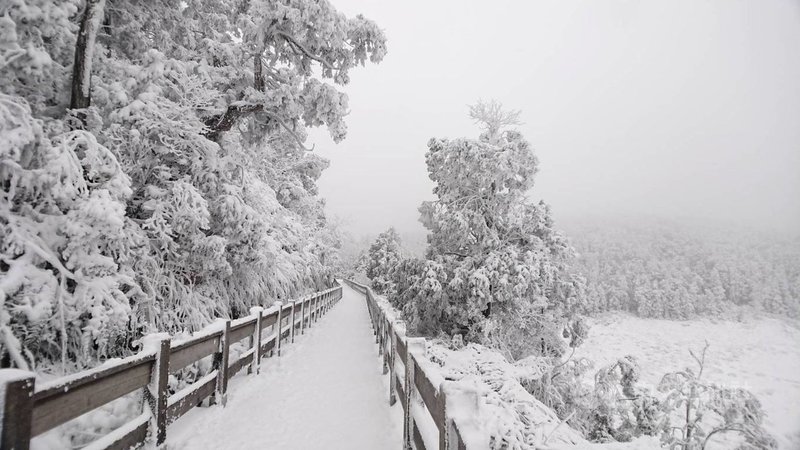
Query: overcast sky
x=669, y=108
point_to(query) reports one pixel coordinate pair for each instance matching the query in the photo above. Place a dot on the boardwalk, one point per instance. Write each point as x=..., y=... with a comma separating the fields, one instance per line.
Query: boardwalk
x=324, y=392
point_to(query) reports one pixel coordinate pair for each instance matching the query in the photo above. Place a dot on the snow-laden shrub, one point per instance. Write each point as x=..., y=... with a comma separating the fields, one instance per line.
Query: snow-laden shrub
x=685, y=412
x=67, y=279
x=695, y=411
x=510, y=417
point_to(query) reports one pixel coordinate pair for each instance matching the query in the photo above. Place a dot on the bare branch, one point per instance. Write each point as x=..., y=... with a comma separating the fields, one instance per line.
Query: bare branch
x=702, y=360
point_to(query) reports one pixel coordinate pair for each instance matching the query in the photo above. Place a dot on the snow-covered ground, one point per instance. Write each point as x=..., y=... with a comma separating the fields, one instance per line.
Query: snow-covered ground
x=325, y=392
x=762, y=355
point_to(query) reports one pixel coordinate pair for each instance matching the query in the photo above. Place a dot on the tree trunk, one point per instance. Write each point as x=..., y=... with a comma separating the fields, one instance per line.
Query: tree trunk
x=258, y=72
x=81, y=94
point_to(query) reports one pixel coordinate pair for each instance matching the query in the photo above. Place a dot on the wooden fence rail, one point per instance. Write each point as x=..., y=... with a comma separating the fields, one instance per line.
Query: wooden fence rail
x=29, y=410
x=416, y=375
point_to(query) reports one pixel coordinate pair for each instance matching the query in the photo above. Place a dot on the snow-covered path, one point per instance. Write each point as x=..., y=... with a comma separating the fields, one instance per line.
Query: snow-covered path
x=324, y=392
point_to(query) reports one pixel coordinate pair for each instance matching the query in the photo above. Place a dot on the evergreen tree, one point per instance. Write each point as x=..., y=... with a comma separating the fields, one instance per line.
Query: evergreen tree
x=383, y=257
x=496, y=268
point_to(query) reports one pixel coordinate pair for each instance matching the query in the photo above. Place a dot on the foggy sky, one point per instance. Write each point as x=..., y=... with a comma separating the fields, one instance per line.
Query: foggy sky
x=664, y=108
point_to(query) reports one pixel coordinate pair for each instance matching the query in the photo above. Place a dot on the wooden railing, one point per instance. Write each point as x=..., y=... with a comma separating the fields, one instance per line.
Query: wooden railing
x=29, y=410
x=411, y=372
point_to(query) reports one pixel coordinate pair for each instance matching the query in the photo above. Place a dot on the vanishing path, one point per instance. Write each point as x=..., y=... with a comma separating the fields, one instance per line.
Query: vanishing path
x=324, y=392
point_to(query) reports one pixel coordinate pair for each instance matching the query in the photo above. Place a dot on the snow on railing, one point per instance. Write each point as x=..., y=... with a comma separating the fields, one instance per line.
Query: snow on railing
x=27, y=410
x=452, y=407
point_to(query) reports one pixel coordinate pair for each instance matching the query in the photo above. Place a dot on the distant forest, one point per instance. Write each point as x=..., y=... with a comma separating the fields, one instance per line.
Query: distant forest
x=666, y=270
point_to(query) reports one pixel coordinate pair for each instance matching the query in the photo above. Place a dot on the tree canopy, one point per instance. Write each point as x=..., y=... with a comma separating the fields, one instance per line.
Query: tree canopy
x=153, y=163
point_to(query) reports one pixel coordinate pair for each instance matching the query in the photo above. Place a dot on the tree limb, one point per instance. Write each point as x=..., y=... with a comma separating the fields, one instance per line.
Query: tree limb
x=298, y=46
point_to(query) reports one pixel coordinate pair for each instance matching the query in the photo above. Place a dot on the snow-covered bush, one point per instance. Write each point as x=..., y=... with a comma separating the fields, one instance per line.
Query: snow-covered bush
x=621, y=410
x=695, y=411
x=510, y=416
x=67, y=279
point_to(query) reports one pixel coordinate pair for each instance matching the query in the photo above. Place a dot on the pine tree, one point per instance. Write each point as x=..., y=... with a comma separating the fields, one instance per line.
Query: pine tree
x=497, y=270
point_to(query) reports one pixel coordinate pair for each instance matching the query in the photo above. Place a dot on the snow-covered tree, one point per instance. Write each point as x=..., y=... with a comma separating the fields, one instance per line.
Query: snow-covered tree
x=383, y=256
x=663, y=269
x=497, y=267
x=154, y=169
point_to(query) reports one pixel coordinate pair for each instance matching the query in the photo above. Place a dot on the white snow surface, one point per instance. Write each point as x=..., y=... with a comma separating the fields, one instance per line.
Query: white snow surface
x=325, y=391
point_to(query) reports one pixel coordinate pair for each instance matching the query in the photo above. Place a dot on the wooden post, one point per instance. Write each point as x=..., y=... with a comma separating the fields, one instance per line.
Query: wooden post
x=377, y=326
x=255, y=340
x=278, y=326
x=291, y=321
x=157, y=390
x=386, y=348
x=412, y=344
x=392, y=362
x=379, y=336
x=16, y=390
x=303, y=315
x=221, y=364
x=468, y=404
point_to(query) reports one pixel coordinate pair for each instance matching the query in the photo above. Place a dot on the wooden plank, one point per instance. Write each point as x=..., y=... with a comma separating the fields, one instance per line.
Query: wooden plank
x=54, y=406
x=255, y=343
x=433, y=400
x=244, y=360
x=269, y=319
x=293, y=321
x=192, y=351
x=455, y=436
x=201, y=389
x=17, y=408
x=401, y=393
x=392, y=366
x=401, y=347
x=131, y=435
x=242, y=330
x=419, y=443
x=279, y=327
x=221, y=363
x=156, y=393
x=268, y=345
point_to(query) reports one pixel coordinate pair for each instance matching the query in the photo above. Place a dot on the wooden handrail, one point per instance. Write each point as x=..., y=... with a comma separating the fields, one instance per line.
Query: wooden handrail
x=394, y=345
x=29, y=411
